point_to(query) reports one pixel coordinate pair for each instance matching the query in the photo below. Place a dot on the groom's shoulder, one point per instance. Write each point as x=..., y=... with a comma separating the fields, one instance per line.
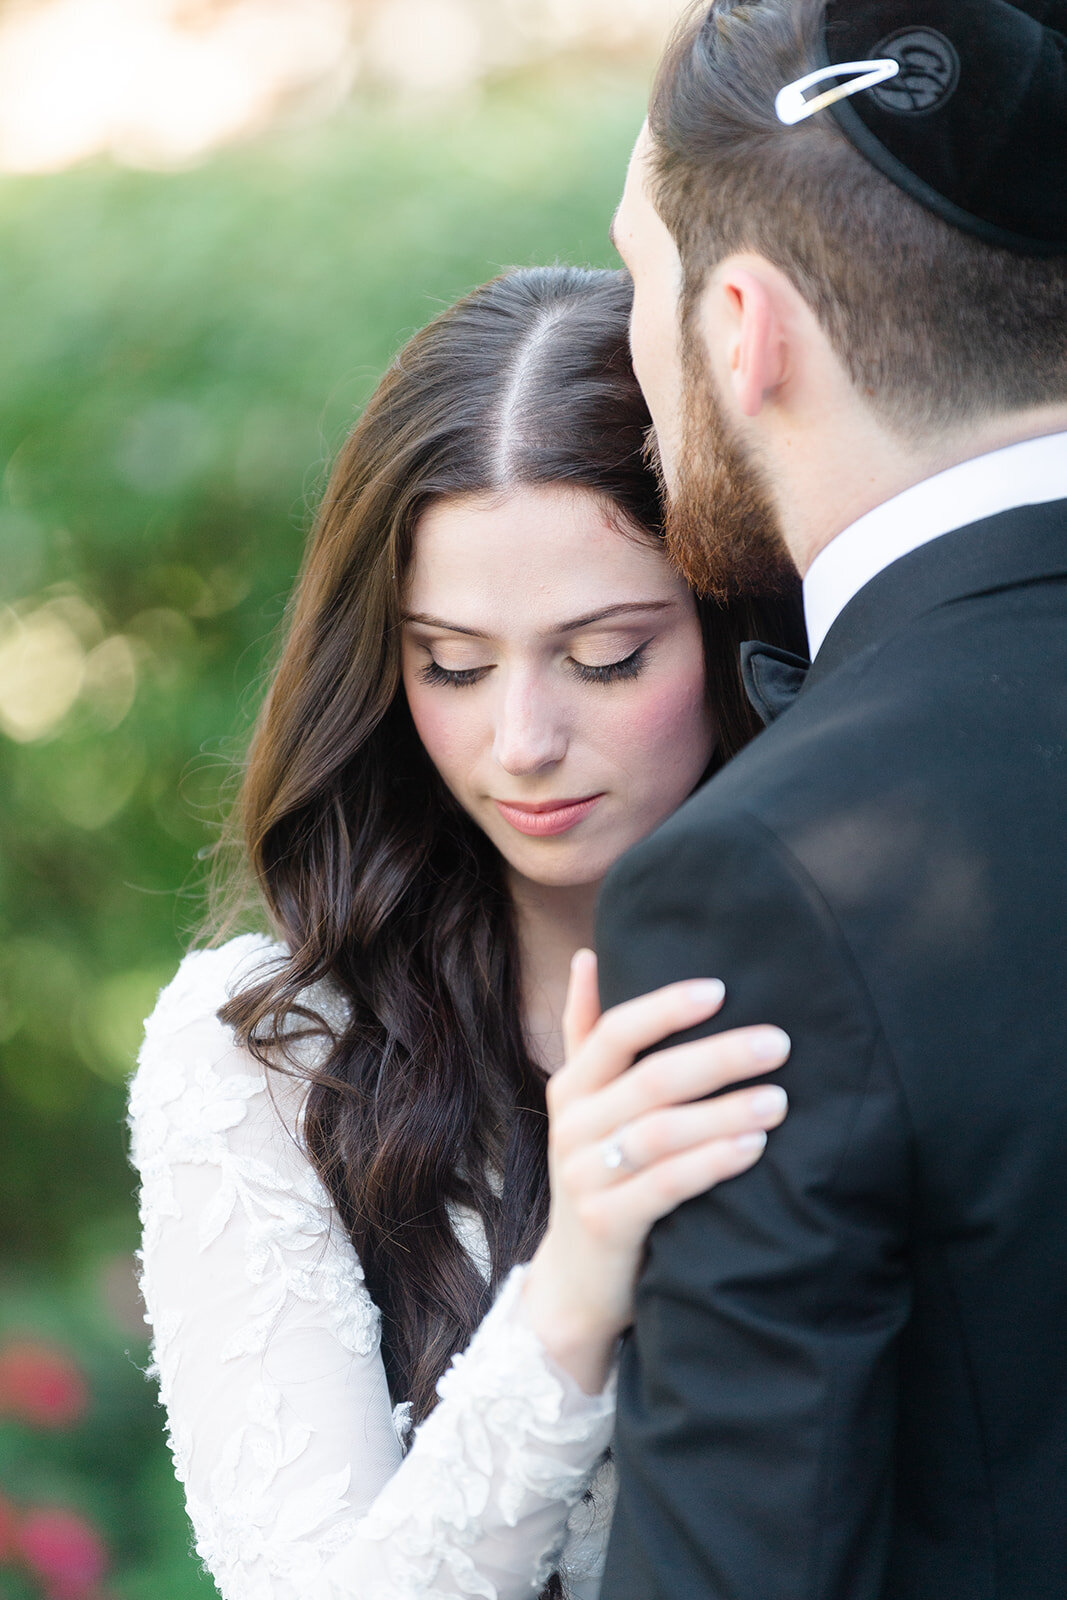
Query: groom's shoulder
x=831, y=742
x=727, y=833
x=853, y=755
x=934, y=744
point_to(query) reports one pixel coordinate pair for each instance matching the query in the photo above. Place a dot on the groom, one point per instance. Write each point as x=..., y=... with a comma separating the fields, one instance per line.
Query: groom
x=847, y=228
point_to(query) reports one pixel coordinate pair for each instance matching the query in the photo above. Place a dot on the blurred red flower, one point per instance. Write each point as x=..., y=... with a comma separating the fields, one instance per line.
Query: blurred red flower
x=41, y=1385
x=8, y=1530
x=64, y=1551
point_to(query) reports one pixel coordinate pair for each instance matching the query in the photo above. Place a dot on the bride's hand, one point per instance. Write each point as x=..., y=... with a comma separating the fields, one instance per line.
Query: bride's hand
x=627, y=1146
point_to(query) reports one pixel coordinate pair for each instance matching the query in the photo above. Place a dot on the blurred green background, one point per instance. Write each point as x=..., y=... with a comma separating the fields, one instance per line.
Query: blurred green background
x=182, y=353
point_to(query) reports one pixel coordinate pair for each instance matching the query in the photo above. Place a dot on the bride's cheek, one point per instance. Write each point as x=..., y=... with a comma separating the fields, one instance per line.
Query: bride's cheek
x=446, y=726
x=667, y=730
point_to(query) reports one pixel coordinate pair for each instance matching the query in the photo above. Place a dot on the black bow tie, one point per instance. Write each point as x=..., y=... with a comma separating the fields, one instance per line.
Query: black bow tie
x=773, y=678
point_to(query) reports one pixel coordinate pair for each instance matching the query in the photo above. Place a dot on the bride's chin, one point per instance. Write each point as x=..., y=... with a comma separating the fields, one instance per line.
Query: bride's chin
x=571, y=868
x=563, y=880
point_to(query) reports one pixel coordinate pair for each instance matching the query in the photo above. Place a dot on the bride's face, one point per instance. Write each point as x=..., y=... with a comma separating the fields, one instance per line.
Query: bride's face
x=555, y=673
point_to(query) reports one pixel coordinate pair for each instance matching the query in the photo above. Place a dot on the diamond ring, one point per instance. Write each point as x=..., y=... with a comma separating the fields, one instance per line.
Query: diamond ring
x=614, y=1156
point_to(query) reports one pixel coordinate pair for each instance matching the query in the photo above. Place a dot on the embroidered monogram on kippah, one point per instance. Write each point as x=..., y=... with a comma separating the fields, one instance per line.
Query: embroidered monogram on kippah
x=929, y=72
x=971, y=119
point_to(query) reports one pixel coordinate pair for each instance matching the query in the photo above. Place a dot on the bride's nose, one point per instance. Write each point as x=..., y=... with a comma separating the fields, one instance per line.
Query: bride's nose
x=530, y=732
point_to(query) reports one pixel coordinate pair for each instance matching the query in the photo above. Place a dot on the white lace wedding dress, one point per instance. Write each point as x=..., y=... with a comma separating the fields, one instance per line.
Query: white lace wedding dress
x=266, y=1349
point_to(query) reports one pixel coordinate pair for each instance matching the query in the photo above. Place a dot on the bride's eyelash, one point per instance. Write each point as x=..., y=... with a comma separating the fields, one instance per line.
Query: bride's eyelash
x=433, y=673
x=613, y=672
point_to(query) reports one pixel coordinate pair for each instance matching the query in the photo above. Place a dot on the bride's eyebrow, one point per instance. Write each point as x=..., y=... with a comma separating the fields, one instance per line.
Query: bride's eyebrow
x=564, y=627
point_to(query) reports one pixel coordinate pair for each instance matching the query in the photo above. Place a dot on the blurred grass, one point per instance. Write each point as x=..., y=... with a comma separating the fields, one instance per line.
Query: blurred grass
x=182, y=354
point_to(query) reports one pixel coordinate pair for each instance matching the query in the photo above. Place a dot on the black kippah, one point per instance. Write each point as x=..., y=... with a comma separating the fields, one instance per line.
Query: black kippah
x=974, y=125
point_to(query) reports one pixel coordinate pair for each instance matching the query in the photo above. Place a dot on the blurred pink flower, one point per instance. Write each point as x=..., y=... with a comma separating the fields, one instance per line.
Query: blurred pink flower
x=41, y=1385
x=64, y=1551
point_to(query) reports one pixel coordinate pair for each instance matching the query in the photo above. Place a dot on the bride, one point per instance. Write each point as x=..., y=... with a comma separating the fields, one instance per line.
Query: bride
x=386, y=1289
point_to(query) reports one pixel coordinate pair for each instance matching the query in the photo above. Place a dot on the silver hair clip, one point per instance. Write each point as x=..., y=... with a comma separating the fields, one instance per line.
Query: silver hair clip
x=791, y=107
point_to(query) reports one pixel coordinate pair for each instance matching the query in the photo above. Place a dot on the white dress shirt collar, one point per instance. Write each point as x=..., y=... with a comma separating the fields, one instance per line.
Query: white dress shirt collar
x=1026, y=474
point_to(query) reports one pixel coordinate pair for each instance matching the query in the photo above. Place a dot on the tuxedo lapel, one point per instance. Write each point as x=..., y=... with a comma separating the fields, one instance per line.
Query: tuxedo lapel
x=1025, y=545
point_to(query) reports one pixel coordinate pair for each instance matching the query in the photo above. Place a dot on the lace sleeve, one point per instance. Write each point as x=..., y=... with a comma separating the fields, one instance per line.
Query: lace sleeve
x=266, y=1349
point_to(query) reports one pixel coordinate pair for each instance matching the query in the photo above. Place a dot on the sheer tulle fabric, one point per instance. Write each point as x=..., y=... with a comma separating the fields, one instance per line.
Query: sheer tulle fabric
x=266, y=1350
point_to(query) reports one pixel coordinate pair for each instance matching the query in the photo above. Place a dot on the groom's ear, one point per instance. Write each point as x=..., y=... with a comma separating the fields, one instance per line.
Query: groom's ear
x=744, y=320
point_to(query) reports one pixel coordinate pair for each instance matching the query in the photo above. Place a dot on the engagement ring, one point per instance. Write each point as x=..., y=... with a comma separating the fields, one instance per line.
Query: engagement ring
x=614, y=1156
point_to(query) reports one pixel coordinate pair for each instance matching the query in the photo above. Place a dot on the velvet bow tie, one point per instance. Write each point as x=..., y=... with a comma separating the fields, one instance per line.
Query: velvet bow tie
x=773, y=678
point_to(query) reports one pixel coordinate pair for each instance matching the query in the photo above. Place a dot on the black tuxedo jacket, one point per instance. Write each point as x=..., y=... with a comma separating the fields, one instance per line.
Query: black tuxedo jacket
x=848, y=1374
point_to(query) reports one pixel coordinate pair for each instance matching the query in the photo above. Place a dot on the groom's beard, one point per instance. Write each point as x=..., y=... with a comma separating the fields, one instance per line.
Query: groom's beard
x=722, y=529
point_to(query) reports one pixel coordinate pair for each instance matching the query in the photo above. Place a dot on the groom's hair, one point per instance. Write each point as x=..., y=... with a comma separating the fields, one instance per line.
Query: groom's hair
x=933, y=326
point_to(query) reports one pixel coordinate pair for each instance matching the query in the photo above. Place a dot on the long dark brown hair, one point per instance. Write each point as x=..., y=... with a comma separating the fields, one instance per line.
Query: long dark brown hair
x=427, y=1097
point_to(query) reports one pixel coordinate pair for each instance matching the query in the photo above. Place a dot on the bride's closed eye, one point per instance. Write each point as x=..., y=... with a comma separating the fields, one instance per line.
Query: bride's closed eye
x=613, y=671
x=610, y=672
x=433, y=672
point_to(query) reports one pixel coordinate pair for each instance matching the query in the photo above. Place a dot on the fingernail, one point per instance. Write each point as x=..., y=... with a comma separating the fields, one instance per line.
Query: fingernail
x=770, y=1044
x=750, y=1141
x=769, y=1102
x=708, y=991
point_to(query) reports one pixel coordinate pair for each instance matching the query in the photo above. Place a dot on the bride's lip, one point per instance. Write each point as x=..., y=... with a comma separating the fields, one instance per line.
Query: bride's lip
x=548, y=816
